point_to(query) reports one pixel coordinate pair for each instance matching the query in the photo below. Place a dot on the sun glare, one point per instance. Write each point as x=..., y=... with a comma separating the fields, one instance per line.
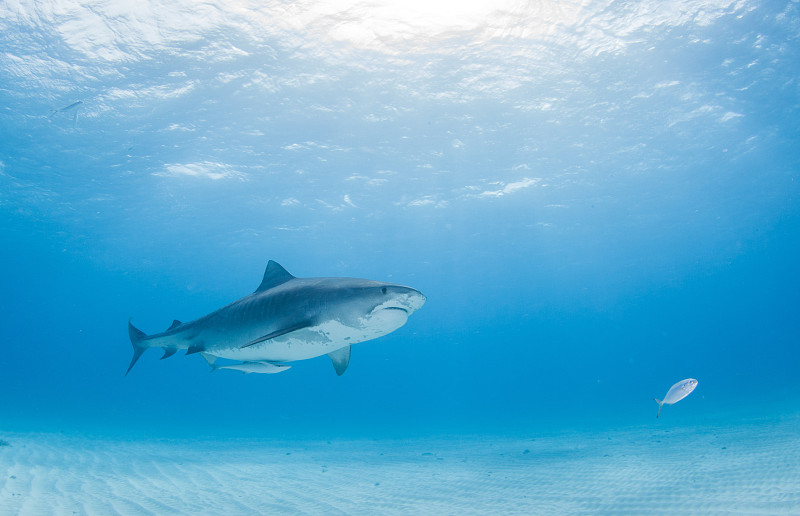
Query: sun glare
x=415, y=23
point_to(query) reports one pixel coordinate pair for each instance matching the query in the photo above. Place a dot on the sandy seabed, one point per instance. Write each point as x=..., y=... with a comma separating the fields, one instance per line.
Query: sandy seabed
x=750, y=467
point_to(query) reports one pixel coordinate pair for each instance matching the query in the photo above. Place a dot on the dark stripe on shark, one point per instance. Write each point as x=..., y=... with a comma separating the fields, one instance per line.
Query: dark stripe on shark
x=278, y=333
x=197, y=348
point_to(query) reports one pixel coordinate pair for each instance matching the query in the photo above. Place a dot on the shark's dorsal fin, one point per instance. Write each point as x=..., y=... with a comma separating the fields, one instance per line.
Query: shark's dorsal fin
x=175, y=324
x=274, y=275
x=340, y=359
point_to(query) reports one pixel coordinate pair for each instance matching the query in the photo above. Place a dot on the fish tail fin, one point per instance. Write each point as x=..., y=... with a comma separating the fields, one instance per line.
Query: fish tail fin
x=137, y=337
x=660, y=405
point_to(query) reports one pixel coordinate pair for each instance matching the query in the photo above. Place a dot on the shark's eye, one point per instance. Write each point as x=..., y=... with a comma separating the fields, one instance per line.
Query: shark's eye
x=383, y=290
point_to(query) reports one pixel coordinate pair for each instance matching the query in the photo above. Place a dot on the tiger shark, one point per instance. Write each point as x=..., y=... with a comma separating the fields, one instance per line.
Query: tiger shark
x=288, y=319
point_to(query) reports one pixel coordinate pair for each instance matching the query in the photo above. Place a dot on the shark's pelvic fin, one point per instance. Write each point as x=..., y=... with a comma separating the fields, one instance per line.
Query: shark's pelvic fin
x=660, y=406
x=278, y=333
x=340, y=359
x=175, y=324
x=210, y=359
x=168, y=352
x=137, y=336
x=274, y=275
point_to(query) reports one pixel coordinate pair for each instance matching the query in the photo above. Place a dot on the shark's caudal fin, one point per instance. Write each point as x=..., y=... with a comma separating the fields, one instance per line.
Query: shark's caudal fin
x=660, y=405
x=137, y=336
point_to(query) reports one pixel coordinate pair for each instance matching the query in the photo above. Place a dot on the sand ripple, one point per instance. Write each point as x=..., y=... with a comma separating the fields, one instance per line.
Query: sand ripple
x=751, y=468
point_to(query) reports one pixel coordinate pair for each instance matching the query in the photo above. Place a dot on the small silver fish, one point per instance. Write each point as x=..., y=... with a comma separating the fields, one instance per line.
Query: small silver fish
x=74, y=108
x=254, y=367
x=74, y=105
x=676, y=393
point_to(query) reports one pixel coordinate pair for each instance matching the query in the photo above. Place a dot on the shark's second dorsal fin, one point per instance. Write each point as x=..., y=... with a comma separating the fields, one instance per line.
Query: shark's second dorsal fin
x=274, y=275
x=175, y=324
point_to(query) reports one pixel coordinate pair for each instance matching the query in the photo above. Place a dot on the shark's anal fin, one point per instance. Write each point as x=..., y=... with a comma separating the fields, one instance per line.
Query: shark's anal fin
x=174, y=325
x=168, y=352
x=340, y=359
x=660, y=406
x=278, y=333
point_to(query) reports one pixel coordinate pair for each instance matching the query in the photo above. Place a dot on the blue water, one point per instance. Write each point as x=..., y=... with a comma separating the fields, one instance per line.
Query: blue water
x=598, y=199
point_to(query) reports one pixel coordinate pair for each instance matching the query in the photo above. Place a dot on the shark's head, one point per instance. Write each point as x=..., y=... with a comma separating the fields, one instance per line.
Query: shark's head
x=393, y=305
x=373, y=308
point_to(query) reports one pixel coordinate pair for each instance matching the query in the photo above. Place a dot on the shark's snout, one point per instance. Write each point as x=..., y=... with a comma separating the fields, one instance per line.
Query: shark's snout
x=402, y=298
x=416, y=300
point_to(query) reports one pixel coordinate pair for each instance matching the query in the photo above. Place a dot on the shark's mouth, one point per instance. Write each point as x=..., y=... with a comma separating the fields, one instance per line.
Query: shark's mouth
x=406, y=303
x=387, y=318
x=395, y=308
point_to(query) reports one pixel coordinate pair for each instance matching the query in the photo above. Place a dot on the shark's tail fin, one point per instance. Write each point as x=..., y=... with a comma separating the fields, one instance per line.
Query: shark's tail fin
x=137, y=336
x=660, y=405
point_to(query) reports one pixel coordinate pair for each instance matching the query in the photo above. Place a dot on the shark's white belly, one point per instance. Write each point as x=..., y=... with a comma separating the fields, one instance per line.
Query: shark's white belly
x=316, y=340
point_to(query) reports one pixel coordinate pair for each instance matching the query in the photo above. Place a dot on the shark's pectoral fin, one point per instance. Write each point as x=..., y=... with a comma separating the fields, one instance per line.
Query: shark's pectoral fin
x=278, y=333
x=196, y=348
x=340, y=359
x=168, y=352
